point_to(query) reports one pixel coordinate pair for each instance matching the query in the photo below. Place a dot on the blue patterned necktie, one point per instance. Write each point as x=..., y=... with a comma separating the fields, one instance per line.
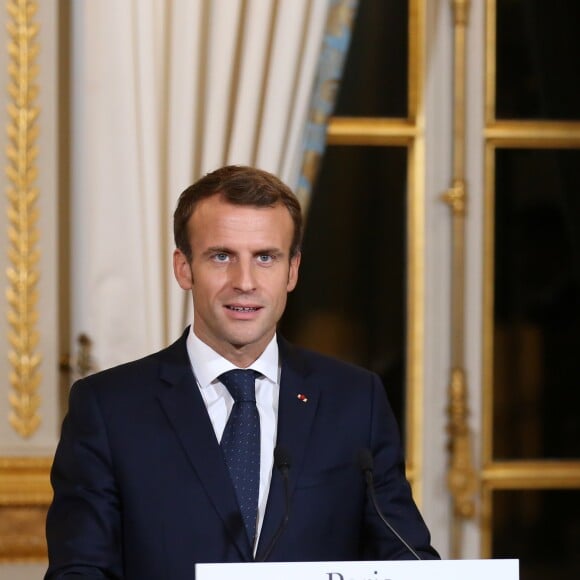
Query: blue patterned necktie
x=241, y=444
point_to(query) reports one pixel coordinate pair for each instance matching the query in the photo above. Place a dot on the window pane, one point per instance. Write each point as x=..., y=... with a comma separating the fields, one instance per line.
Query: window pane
x=538, y=47
x=374, y=82
x=541, y=528
x=350, y=299
x=537, y=304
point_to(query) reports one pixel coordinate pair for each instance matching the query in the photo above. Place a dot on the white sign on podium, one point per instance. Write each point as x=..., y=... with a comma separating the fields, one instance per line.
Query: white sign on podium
x=365, y=570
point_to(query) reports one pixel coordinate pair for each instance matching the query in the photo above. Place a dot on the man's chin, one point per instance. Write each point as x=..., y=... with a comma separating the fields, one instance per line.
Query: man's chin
x=248, y=340
x=242, y=343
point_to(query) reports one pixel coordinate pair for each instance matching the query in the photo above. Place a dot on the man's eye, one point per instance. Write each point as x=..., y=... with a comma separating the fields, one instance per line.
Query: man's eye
x=265, y=259
x=221, y=257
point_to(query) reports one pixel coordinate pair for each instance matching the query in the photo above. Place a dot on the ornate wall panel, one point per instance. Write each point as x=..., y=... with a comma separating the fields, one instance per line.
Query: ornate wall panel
x=29, y=402
x=23, y=255
x=24, y=497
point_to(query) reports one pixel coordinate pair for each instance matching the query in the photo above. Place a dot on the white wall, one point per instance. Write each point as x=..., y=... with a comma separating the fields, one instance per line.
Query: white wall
x=438, y=166
x=438, y=176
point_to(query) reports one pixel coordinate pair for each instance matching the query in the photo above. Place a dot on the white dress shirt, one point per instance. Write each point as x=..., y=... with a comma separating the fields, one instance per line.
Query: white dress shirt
x=207, y=366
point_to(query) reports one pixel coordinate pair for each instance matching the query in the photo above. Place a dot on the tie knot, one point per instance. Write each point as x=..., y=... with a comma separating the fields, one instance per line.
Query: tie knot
x=241, y=383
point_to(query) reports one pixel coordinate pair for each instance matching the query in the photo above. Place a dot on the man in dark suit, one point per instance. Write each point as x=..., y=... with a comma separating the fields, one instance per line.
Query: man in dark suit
x=163, y=463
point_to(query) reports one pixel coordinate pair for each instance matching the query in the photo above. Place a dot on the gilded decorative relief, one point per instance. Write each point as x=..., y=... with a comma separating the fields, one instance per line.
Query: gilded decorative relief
x=23, y=236
x=25, y=494
x=462, y=477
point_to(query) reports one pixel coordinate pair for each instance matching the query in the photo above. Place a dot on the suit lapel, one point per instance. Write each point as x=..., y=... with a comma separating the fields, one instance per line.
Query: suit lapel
x=184, y=407
x=296, y=412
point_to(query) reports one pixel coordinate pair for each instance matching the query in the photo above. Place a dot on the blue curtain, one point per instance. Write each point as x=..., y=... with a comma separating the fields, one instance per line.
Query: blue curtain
x=335, y=44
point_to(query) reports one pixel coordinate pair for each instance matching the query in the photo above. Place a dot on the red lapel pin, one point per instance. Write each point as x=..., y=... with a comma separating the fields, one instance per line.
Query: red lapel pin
x=302, y=398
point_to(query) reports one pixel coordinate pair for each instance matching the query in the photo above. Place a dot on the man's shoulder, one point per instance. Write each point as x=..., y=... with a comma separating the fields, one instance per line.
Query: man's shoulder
x=322, y=364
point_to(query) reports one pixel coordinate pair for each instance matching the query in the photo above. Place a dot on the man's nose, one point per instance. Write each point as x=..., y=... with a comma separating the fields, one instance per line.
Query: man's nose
x=243, y=276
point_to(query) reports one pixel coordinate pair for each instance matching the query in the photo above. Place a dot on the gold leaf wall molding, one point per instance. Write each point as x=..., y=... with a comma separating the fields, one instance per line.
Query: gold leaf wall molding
x=25, y=481
x=25, y=495
x=462, y=477
x=23, y=236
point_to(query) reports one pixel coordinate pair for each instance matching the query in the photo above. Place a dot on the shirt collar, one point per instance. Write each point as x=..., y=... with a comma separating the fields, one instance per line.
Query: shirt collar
x=208, y=365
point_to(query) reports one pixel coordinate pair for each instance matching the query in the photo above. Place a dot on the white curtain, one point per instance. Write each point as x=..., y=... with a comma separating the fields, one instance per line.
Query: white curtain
x=164, y=91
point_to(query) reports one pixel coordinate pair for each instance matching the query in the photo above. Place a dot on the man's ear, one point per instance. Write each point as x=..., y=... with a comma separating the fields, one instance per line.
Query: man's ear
x=182, y=270
x=293, y=272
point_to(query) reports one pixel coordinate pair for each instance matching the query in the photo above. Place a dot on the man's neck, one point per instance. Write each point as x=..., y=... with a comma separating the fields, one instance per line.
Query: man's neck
x=240, y=356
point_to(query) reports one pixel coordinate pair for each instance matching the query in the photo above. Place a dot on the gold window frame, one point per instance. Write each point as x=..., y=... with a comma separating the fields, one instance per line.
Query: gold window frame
x=517, y=474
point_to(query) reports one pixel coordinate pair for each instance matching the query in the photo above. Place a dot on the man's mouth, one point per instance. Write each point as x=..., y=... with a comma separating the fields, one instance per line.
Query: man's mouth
x=243, y=308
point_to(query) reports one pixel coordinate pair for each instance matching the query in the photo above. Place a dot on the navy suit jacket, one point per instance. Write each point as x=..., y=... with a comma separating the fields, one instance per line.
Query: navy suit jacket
x=141, y=490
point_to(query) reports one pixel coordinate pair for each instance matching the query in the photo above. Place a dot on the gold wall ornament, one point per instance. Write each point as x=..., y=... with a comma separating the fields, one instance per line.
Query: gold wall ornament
x=456, y=197
x=461, y=11
x=23, y=254
x=25, y=495
x=462, y=479
x=80, y=364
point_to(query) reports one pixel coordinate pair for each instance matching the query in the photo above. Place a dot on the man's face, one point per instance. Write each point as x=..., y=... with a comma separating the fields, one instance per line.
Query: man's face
x=240, y=274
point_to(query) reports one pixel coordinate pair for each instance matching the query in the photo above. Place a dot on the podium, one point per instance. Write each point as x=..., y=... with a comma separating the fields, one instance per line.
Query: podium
x=364, y=570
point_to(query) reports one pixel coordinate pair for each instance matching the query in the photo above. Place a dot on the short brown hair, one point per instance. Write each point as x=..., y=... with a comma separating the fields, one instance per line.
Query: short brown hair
x=239, y=185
